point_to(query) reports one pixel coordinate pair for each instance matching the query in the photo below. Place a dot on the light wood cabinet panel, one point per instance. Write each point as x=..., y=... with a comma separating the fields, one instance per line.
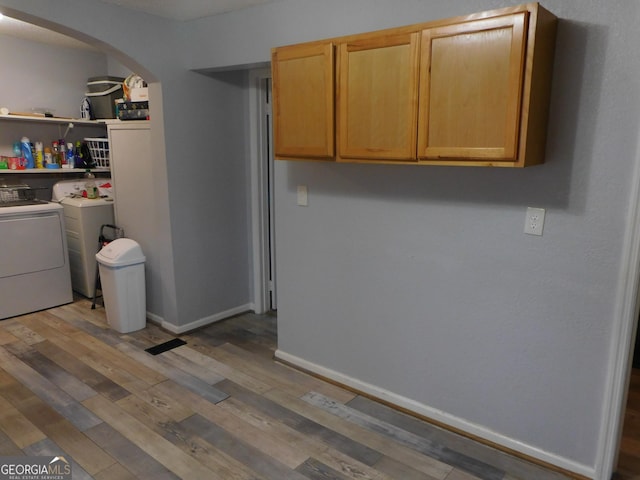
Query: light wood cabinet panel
x=469, y=91
x=377, y=98
x=471, y=86
x=485, y=88
x=303, y=101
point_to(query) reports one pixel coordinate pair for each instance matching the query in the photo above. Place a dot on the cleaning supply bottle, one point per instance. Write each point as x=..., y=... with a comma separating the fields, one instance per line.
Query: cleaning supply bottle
x=26, y=153
x=77, y=156
x=39, y=155
x=55, y=152
x=62, y=153
x=48, y=158
x=71, y=159
x=18, y=159
x=90, y=185
x=85, y=109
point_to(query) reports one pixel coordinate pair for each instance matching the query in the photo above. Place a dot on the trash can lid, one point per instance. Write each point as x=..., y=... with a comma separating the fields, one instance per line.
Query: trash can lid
x=120, y=252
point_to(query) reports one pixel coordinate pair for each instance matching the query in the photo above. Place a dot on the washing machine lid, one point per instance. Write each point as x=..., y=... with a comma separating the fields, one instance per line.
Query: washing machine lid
x=82, y=202
x=29, y=209
x=75, y=187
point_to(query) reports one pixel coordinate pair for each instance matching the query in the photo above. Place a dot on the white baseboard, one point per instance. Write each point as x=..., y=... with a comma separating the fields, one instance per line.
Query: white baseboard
x=178, y=329
x=157, y=319
x=439, y=416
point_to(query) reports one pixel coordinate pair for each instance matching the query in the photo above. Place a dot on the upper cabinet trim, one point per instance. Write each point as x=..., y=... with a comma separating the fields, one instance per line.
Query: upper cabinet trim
x=472, y=90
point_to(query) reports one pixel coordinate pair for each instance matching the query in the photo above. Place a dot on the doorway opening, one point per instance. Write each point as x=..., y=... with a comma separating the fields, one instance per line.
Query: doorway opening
x=628, y=462
x=262, y=195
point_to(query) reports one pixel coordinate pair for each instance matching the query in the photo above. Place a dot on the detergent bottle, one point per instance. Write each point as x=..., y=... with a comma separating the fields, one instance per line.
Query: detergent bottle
x=27, y=154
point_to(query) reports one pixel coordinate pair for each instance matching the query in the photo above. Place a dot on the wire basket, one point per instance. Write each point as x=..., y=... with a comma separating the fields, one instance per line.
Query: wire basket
x=99, y=149
x=15, y=194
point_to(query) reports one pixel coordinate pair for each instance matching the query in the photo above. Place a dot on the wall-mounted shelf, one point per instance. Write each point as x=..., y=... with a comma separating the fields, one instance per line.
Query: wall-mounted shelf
x=51, y=120
x=52, y=170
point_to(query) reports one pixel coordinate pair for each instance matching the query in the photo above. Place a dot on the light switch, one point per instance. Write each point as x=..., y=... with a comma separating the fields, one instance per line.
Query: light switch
x=302, y=196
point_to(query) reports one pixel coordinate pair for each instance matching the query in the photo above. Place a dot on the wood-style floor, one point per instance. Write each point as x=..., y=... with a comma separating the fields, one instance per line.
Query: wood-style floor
x=218, y=407
x=629, y=456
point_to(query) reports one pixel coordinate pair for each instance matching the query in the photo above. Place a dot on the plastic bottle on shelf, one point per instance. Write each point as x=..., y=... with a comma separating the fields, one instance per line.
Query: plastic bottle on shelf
x=17, y=161
x=55, y=152
x=62, y=153
x=48, y=158
x=39, y=155
x=77, y=156
x=26, y=153
x=90, y=185
x=85, y=109
x=70, y=156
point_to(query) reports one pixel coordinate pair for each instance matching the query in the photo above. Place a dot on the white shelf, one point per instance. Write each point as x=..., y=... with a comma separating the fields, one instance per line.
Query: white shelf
x=52, y=170
x=52, y=120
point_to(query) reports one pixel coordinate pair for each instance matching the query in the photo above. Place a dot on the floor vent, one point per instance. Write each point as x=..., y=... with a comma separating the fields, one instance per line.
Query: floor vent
x=163, y=347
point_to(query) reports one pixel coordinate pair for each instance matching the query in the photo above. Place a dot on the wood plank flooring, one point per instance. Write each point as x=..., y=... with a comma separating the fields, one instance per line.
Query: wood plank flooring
x=217, y=407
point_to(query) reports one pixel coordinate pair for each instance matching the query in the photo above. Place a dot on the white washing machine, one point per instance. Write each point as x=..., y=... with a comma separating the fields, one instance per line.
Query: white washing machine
x=83, y=219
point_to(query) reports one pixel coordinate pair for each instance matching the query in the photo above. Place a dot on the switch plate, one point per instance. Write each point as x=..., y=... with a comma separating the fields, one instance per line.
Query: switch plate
x=303, y=200
x=534, y=221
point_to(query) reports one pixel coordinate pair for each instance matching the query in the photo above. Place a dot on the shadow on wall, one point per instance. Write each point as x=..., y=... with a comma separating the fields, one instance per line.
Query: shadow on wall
x=559, y=183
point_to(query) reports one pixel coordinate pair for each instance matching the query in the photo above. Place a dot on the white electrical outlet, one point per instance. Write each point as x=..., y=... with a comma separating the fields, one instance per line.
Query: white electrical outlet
x=534, y=221
x=302, y=199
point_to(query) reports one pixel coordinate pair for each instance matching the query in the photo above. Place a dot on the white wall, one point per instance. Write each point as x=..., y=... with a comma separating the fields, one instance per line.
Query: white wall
x=416, y=280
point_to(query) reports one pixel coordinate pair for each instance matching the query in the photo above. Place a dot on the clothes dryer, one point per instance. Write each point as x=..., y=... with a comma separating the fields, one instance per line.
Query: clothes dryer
x=34, y=266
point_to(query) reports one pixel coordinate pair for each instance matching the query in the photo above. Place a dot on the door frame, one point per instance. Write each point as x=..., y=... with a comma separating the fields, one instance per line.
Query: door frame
x=258, y=144
x=625, y=323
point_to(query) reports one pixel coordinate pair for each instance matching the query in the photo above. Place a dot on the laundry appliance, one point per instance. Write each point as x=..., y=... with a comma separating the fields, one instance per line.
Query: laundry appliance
x=83, y=219
x=34, y=263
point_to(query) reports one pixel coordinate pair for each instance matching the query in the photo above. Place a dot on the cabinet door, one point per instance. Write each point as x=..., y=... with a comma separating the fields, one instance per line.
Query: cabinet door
x=136, y=198
x=303, y=90
x=471, y=89
x=377, y=97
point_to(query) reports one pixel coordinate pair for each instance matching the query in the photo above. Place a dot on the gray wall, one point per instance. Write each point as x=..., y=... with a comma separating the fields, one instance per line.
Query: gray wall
x=37, y=75
x=417, y=280
x=200, y=170
x=420, y=280
x=207, y=164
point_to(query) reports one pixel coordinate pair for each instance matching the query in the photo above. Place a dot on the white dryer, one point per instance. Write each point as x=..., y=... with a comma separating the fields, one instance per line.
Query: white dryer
x=83, y=219
x=34, y=266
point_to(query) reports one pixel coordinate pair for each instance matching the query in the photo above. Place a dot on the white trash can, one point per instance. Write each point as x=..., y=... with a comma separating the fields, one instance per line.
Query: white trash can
x=121, y=265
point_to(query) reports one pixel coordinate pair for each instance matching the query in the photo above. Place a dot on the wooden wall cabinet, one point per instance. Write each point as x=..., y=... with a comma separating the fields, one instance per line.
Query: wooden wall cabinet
x=469, y=91
x=377, y=103
x=485, y=87
x=303, y=101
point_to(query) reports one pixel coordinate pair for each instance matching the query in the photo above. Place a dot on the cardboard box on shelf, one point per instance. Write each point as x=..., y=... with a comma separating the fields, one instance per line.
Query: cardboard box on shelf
x=133, y=110
x=140, y=94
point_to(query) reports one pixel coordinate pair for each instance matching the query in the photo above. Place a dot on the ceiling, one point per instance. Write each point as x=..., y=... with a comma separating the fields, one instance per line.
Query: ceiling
x=187, y=9
x=27, y=31
x=175, y=10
